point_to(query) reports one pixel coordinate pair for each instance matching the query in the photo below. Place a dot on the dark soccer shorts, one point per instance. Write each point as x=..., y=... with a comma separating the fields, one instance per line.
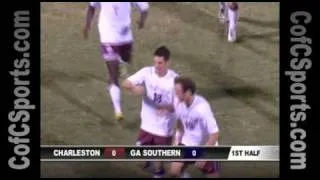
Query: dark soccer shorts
x=146, y=138
x=111, y=52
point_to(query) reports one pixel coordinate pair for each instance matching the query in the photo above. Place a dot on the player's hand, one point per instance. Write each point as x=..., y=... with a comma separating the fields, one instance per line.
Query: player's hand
x=86, y=32
x=200, y=164
x=140, y=24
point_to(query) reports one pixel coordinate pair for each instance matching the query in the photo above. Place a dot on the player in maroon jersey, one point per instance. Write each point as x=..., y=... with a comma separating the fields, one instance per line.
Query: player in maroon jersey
x=116, y=40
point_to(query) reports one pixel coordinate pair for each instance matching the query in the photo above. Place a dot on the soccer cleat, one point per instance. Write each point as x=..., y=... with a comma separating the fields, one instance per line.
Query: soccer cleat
x=232, y=35
x=119, y=116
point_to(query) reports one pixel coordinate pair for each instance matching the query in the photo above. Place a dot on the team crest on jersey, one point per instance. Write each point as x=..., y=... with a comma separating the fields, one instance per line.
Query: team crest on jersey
x=191, y=123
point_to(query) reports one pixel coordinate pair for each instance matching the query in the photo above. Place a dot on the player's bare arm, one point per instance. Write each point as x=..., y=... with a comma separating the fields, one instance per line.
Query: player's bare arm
x=211, y=125
x=134, y=89
x=90, y=14
x=167, y=107
x=160, y=107
x=179, y=133
x=143, y=8
x=142, y=19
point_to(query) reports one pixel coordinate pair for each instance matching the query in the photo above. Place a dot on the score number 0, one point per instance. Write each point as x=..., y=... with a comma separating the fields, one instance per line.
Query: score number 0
x=194, y=153
x=114, y=152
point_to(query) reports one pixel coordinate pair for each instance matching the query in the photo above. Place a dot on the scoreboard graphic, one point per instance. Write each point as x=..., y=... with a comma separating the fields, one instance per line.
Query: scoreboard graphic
x=158, y=153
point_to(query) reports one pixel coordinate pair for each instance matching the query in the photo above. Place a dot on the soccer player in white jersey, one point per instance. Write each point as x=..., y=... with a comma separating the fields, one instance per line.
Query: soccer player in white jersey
x=156, y=84
x=196, y=126
x=229, y=13
x=114, y=25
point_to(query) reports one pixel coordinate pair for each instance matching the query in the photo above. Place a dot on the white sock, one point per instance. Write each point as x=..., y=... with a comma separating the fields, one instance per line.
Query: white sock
x=233, y=17
x=185, y=174
x=115, y=94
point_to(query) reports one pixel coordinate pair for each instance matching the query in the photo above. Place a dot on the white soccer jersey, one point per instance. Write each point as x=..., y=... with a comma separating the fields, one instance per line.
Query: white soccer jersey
x=114, y=21
x=198, y=121
x=159, y=90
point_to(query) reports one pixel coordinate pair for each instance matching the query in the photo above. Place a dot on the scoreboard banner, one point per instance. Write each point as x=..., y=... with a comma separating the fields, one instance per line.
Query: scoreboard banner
x=158, y=153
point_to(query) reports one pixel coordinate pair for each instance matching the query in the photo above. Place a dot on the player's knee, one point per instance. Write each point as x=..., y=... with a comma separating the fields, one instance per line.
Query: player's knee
x=174, y=171
x=211, y=169
x=210, y=173
x=233, y=6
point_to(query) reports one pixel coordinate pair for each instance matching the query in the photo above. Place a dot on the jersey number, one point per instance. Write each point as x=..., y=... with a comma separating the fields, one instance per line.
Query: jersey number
x=157, y=98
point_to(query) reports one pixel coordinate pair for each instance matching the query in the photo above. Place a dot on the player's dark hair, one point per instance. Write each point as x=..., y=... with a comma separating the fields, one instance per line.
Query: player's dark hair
x=186, y=83
x=164, y=52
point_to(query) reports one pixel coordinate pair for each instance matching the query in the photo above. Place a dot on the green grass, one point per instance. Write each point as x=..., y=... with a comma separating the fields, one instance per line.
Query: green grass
x=240, y=81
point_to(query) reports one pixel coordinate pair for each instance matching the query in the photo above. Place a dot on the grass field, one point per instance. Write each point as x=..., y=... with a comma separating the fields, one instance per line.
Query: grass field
x=240, y=81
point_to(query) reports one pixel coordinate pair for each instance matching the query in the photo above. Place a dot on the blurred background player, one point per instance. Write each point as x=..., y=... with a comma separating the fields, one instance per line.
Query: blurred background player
x=196, y=126
x=116, y=39
x=156, y=84
x=228, y=13
x=222, y=12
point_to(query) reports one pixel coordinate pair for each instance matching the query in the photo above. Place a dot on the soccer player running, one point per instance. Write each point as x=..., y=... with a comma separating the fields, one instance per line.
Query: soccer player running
x=229, y=13
x=196, y=126
x=116, y=39
x=156, y=85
